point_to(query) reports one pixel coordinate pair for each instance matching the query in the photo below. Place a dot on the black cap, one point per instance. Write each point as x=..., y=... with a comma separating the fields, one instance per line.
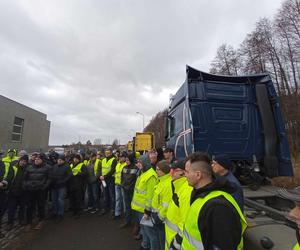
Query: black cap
x=178, y=164
x=61, y=157
x=123, y=154
x=169, y=150
x=78, y=156
x=24, y=158
x=224, y=161
x=42, y=156
x=131, y=157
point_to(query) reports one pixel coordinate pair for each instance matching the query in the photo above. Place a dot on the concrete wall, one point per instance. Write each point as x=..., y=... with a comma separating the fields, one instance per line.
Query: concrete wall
x=36, y=127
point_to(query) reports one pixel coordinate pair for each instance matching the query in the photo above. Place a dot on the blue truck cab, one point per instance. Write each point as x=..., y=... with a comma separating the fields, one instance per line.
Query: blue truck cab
x=235, y=115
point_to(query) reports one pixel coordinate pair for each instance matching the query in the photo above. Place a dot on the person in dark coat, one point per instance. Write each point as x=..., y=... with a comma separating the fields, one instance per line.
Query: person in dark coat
x=6, y=176
x=76, y=185
x=93, y=170
x=128, y=179
x=60, y=175
x=36, y=181
x=16, y=198
x=222, y=166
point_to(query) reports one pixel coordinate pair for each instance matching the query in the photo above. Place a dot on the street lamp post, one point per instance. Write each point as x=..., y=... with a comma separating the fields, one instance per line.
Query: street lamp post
x=139, y=113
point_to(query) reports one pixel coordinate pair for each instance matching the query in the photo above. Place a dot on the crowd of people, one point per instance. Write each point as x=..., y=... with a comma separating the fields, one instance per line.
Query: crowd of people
x=171, y=204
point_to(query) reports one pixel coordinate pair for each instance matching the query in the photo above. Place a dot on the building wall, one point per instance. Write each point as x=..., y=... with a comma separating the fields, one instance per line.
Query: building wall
x=36, y=127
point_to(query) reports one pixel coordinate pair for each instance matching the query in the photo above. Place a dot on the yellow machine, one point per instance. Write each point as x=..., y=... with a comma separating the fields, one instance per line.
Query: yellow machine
x=144, y=141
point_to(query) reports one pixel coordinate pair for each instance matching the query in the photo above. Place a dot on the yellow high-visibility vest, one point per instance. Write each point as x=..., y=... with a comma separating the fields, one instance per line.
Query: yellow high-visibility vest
x=175, y=217
x=106, y=165
x=119, y=169
x=162, y=196
x=144, y=190
x=77, y=168
x=191, y=235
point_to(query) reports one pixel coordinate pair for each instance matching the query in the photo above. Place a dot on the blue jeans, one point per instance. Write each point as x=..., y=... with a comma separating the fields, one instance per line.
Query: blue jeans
x=161, y=236
x=127, y=198
x=145, y=238
x=58, y=199
x=152, y=235
x=93, y=195
x=109, y=195
x=119, y=200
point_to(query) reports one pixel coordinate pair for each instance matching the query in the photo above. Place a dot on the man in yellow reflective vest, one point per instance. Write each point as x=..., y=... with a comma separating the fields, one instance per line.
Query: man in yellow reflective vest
x=93, y=170
x=178, y=206
x=118, y=188
x=141, y=202
x=107, y=179
x=214, y=220
x=11, y=157
x=161, y=199
x=294, y=215
x=6, y=176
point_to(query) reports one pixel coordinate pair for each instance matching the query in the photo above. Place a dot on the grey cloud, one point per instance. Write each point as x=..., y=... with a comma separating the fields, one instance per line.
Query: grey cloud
x=90, y=65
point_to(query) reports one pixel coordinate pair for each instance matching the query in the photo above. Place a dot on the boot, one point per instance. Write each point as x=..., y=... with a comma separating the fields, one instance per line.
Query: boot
x=124, y=225
x=39, y=226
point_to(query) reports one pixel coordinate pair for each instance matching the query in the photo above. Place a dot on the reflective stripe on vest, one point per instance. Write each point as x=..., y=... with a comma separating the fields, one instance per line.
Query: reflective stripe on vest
x=6, y=169
x=162, y=196
x=130, y=171
x=15, y=169
x=119, y=169
x=96, y=166
x=191, y=235
x=77, y=168
x=106, y=165
x=139, y=201
x=174, y=227
x=176, y=215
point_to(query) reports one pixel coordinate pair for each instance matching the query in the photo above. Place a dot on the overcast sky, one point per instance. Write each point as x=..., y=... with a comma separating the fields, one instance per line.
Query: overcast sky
x=90, y=65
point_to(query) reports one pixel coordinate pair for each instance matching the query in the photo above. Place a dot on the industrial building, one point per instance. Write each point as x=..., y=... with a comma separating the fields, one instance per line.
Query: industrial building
x=22, y=127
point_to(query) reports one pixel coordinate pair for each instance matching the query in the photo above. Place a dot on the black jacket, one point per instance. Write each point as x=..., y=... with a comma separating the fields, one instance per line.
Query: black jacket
x=128, y=177
x=36, y=178
x=218, y=221
x=16, y=185
x=60, y=175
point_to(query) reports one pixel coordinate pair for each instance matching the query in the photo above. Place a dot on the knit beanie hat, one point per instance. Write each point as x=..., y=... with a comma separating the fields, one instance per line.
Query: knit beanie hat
x=24, y=158
x=131, y=157
x=163, y=166
x=42, y=156
x=62, y=157
x=78, y=156
x=144, y=159
x=224, y=161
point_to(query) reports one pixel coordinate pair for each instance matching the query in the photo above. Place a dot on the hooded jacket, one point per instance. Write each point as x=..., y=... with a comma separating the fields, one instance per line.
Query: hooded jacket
x=218, y=222
x=128, y=177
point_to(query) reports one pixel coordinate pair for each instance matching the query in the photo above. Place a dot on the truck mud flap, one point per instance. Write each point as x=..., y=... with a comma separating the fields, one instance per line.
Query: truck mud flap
x=271, y=163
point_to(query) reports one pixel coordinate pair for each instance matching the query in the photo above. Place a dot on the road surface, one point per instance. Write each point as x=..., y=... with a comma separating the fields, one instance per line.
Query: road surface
x=89, y=232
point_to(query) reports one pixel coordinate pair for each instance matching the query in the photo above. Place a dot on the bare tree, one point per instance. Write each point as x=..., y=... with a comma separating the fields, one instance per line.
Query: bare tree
x=226, y=62
x=157, y=126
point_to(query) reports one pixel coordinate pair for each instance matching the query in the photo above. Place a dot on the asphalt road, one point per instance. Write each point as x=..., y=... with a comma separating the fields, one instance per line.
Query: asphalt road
x=89, y=232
